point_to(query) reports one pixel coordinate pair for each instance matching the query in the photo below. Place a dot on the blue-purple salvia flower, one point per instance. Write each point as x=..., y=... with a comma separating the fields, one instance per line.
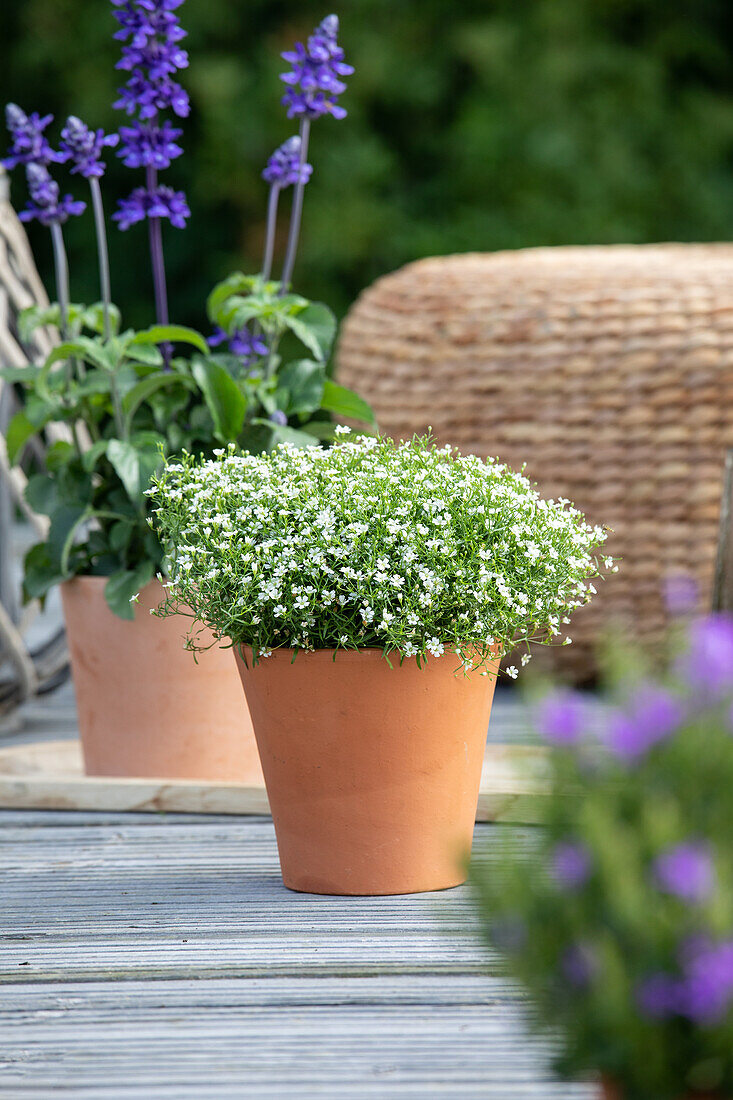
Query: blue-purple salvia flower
x=84, y=148
x=284, y=168
x=686, y=871
x=570, y=864
x=561, y=718
x=278, y=417
x=161, y=202
x=152, y=55
x=651, y=716
x=247, y=345
x=28, y=143
x=46, y=203
x=314, y=81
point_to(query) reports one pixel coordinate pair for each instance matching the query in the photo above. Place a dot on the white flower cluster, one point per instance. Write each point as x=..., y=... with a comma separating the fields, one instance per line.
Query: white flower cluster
x=408, y=548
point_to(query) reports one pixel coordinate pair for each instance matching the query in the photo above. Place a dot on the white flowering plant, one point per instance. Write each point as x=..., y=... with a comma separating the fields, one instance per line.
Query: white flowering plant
x=409, y=548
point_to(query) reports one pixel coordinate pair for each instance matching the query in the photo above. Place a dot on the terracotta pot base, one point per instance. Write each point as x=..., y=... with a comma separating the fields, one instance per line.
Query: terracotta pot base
x=146, y=707
x=372, y=771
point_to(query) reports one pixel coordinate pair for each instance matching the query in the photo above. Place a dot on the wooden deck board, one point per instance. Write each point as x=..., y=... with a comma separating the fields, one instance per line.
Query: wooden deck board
x=160, y=958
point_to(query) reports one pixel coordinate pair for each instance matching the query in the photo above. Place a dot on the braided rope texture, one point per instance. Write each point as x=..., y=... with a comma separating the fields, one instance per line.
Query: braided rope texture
x=607, y=370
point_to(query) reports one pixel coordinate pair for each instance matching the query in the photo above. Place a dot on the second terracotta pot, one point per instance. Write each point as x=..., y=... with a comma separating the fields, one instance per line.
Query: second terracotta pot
x=372, y=771
x=146, y=708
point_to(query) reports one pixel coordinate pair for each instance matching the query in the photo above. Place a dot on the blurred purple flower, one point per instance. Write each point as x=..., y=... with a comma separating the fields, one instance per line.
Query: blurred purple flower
x=284, y=167
x=680, y=593
x=579, y=964
x=162, y=202
x=561, y=718
x=144, y=144
x=707, y=990
x=46, y=204
x=28, y=144
x=278, y=417
x=650, y=717
x=659, y=996
x=85, y=147
x=314, y=80
x=249, y=346
x=708, y=663
x=686, y=870
x=570, y=864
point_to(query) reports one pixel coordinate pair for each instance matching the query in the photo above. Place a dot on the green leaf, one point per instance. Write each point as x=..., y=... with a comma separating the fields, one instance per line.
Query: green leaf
x=236, y=283
x=36, y=317
x=65, y=522
x=25, y=375
x=315, y=326
x=224, y=399
x=59, y=454
x=39, y=573
x=93, y=318
x=19, y=431
x=344, y=402
x=91, y=457
x=160, y=334
x=135, y=466
x=148, y=386
x=302, y=384
x=149, y=354
x=122, y=586
x=42, y=495
x=95, y=381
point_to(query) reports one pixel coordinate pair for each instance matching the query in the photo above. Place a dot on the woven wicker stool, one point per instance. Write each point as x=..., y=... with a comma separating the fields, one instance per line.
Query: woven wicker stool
x=608, y=370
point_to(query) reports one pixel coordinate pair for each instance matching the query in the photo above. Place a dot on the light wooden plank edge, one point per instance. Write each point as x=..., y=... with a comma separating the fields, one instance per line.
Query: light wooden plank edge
x=508, y=798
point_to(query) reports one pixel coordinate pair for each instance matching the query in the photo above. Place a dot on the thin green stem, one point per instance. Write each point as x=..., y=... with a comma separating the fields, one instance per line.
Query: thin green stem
x=272, y=202
x=102, y=253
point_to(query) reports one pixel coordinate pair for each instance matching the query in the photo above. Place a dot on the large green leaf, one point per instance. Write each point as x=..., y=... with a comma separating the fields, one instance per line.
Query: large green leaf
x=39, y=573
x=344, y=402
x=161, y=334
x=300, y=386
x=224, y=399
x=65, y=522
x=147, y=387
x=315, y=326
x=134, y=465
x=41, y=494
x=18, y=433
x=123, y=586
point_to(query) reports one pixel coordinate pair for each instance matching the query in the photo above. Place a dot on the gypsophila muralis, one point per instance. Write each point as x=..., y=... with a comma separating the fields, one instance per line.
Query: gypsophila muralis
x=410, y=548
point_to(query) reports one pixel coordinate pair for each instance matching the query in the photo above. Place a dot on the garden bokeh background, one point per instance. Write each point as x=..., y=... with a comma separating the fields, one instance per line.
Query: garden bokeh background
x=473, y=125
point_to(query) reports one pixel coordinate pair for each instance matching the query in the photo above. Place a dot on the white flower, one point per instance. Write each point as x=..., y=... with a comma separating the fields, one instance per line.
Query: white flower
x=135, y=598
x=342, y=429
x=279, y=610
x=513, y=672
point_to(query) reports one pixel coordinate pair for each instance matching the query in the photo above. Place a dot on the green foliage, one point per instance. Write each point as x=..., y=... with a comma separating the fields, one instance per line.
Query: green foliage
x=127, y=410
x=472, y=125
x=630, y=966
x=407, y=548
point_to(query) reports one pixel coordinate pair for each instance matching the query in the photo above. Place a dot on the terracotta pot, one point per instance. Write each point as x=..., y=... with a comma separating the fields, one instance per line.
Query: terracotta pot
x=145, y=707
x=372, y=771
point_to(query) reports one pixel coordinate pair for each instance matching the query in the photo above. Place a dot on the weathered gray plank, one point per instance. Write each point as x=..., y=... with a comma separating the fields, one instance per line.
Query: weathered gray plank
x=163, y=960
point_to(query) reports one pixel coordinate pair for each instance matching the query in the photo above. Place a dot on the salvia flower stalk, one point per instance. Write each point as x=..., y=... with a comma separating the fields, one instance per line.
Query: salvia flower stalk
x=314, y=86
x=284, y=169
x=152, y=55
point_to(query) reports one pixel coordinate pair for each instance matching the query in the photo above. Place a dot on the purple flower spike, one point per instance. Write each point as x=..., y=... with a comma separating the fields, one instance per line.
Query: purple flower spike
x=658, y=996
x=562, y=719
x=314, y=82
x=708, y=664
x=143, y=145
x=686, y=871
x=570, y=865
x=28, y=146
x=84, y=147
x=152, y=56
x=162, y=202
x=284, y=167
x=46, y=204
x=652, y=715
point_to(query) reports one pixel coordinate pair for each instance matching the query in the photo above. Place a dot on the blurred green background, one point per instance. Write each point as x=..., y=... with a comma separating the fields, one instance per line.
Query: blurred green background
x=473, y=125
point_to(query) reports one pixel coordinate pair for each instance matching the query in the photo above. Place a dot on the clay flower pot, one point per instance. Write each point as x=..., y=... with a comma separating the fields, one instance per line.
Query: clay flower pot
x=146, y=708
x=372, y=771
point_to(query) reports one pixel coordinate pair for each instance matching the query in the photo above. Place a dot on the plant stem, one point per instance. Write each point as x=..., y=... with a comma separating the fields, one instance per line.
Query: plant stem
x=61, y=268
x=104, y=281
x=270, y=234
x=297, y=210
x=157, y=261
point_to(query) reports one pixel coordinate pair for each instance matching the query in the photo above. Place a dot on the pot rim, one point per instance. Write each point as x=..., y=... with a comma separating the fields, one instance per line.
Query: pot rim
x=350, y=654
